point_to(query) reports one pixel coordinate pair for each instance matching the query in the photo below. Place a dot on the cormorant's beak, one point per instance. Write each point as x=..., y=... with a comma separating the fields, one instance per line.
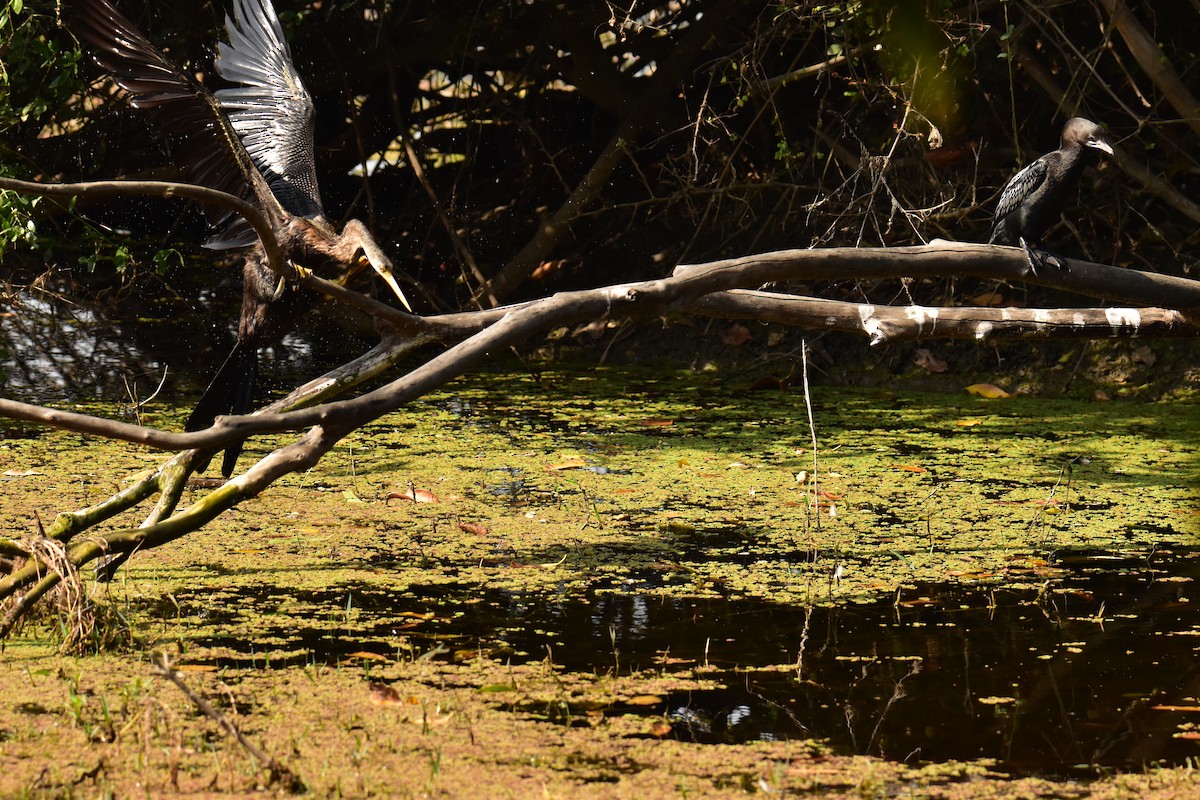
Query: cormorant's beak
x=385, y=272
x=1102, y=145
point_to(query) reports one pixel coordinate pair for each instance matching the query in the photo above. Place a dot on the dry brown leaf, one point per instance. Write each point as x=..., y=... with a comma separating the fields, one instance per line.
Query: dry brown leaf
x=416, y=495
x=736, y=335
x=926, y=360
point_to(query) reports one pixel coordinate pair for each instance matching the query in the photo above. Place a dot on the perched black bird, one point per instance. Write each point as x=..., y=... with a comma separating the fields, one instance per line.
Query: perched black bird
x=254, y=140
x=1033, y=199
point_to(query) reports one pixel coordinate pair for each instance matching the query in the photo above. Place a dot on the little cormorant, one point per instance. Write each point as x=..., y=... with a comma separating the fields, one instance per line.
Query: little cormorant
x=1033, y=199
x=255, y=141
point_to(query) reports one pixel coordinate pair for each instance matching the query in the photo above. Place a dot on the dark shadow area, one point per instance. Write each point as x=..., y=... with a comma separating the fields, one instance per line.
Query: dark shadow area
x=1097, y=670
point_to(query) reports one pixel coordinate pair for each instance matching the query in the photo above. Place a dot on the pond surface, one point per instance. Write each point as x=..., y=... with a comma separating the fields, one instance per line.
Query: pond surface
x=1099, y=669
x=950, y=579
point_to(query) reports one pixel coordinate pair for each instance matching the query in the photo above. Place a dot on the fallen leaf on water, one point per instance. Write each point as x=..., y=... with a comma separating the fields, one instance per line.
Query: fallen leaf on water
x=13, y=473
x=365, y=655
x=987, y=390
x=384, y=695
x=350, y=497
x=574, y=463
x=644, y=700
x=968, y=423
x=660, y=728
x=658, y=423
x=908, y=468
x=473, y=528
x=416, y=495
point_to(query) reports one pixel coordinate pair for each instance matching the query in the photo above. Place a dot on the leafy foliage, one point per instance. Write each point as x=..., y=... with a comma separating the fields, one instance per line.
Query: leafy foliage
x=873, y=122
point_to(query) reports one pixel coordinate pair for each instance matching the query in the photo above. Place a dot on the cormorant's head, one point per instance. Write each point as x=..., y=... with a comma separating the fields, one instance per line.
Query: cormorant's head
x=1085, y=133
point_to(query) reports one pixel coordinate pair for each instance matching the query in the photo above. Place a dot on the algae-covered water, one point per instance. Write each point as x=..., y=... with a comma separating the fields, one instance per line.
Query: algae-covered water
x=638, y=584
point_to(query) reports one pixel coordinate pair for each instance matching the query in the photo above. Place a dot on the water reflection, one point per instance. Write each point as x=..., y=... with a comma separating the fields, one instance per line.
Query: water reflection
x=1097, y=670
x=52, y=351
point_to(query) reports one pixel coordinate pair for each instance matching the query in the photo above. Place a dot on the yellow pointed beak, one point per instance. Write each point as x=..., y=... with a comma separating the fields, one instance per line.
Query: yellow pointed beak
x=386, y=273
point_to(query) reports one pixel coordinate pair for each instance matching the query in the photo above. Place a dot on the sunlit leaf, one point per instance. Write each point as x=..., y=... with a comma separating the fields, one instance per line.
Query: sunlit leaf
x=987, y=390
x=416, y=495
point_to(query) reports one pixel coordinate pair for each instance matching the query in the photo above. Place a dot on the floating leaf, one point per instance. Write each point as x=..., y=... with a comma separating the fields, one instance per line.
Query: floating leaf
x=473, y=528
x=660, y=728
x=384, y=695
x=644, y=700
x=416, y=495
x=350, y=497
x=987, y=390
x=575, y=463
x=909, y=468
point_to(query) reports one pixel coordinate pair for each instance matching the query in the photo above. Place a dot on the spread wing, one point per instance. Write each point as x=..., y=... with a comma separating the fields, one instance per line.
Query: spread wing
x=272, y=112
x=1019, y=187
x=203, y=141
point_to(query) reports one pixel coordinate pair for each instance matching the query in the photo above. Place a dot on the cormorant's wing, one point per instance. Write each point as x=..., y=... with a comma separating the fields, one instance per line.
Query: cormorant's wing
x=271, y=111
x=1019, y=187
x=206, y=145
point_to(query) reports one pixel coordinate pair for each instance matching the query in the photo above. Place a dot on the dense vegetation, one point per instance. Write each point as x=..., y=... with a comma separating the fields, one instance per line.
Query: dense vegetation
x=679, y=131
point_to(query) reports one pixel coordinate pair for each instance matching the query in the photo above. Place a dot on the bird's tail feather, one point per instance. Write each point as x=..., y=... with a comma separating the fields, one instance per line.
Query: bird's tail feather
x=231, y=392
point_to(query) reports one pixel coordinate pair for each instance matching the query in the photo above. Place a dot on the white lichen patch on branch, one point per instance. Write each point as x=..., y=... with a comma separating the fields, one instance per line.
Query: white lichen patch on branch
x=871, y=324
x=1124, y=317
x=922, y=315
x=983, y=330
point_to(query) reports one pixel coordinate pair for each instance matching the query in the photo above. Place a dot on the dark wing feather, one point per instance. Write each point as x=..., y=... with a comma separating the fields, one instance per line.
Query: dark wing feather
x=1019, y=187
x=204, y=143
x=272, y=111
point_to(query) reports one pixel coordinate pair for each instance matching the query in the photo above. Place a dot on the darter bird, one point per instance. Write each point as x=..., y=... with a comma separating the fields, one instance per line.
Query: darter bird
x=254, y=140
x=1033, y=199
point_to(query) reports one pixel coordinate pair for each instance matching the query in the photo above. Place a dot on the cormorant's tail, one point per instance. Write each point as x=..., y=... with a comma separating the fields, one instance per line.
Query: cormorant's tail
x=231, y=392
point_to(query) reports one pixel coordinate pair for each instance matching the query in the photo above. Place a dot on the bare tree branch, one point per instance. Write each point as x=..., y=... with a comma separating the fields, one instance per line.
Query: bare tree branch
x=890, y=324
x=1153, y=62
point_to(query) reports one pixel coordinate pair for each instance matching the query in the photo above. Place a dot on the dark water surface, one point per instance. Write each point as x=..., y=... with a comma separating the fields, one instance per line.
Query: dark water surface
x=1097, y=669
